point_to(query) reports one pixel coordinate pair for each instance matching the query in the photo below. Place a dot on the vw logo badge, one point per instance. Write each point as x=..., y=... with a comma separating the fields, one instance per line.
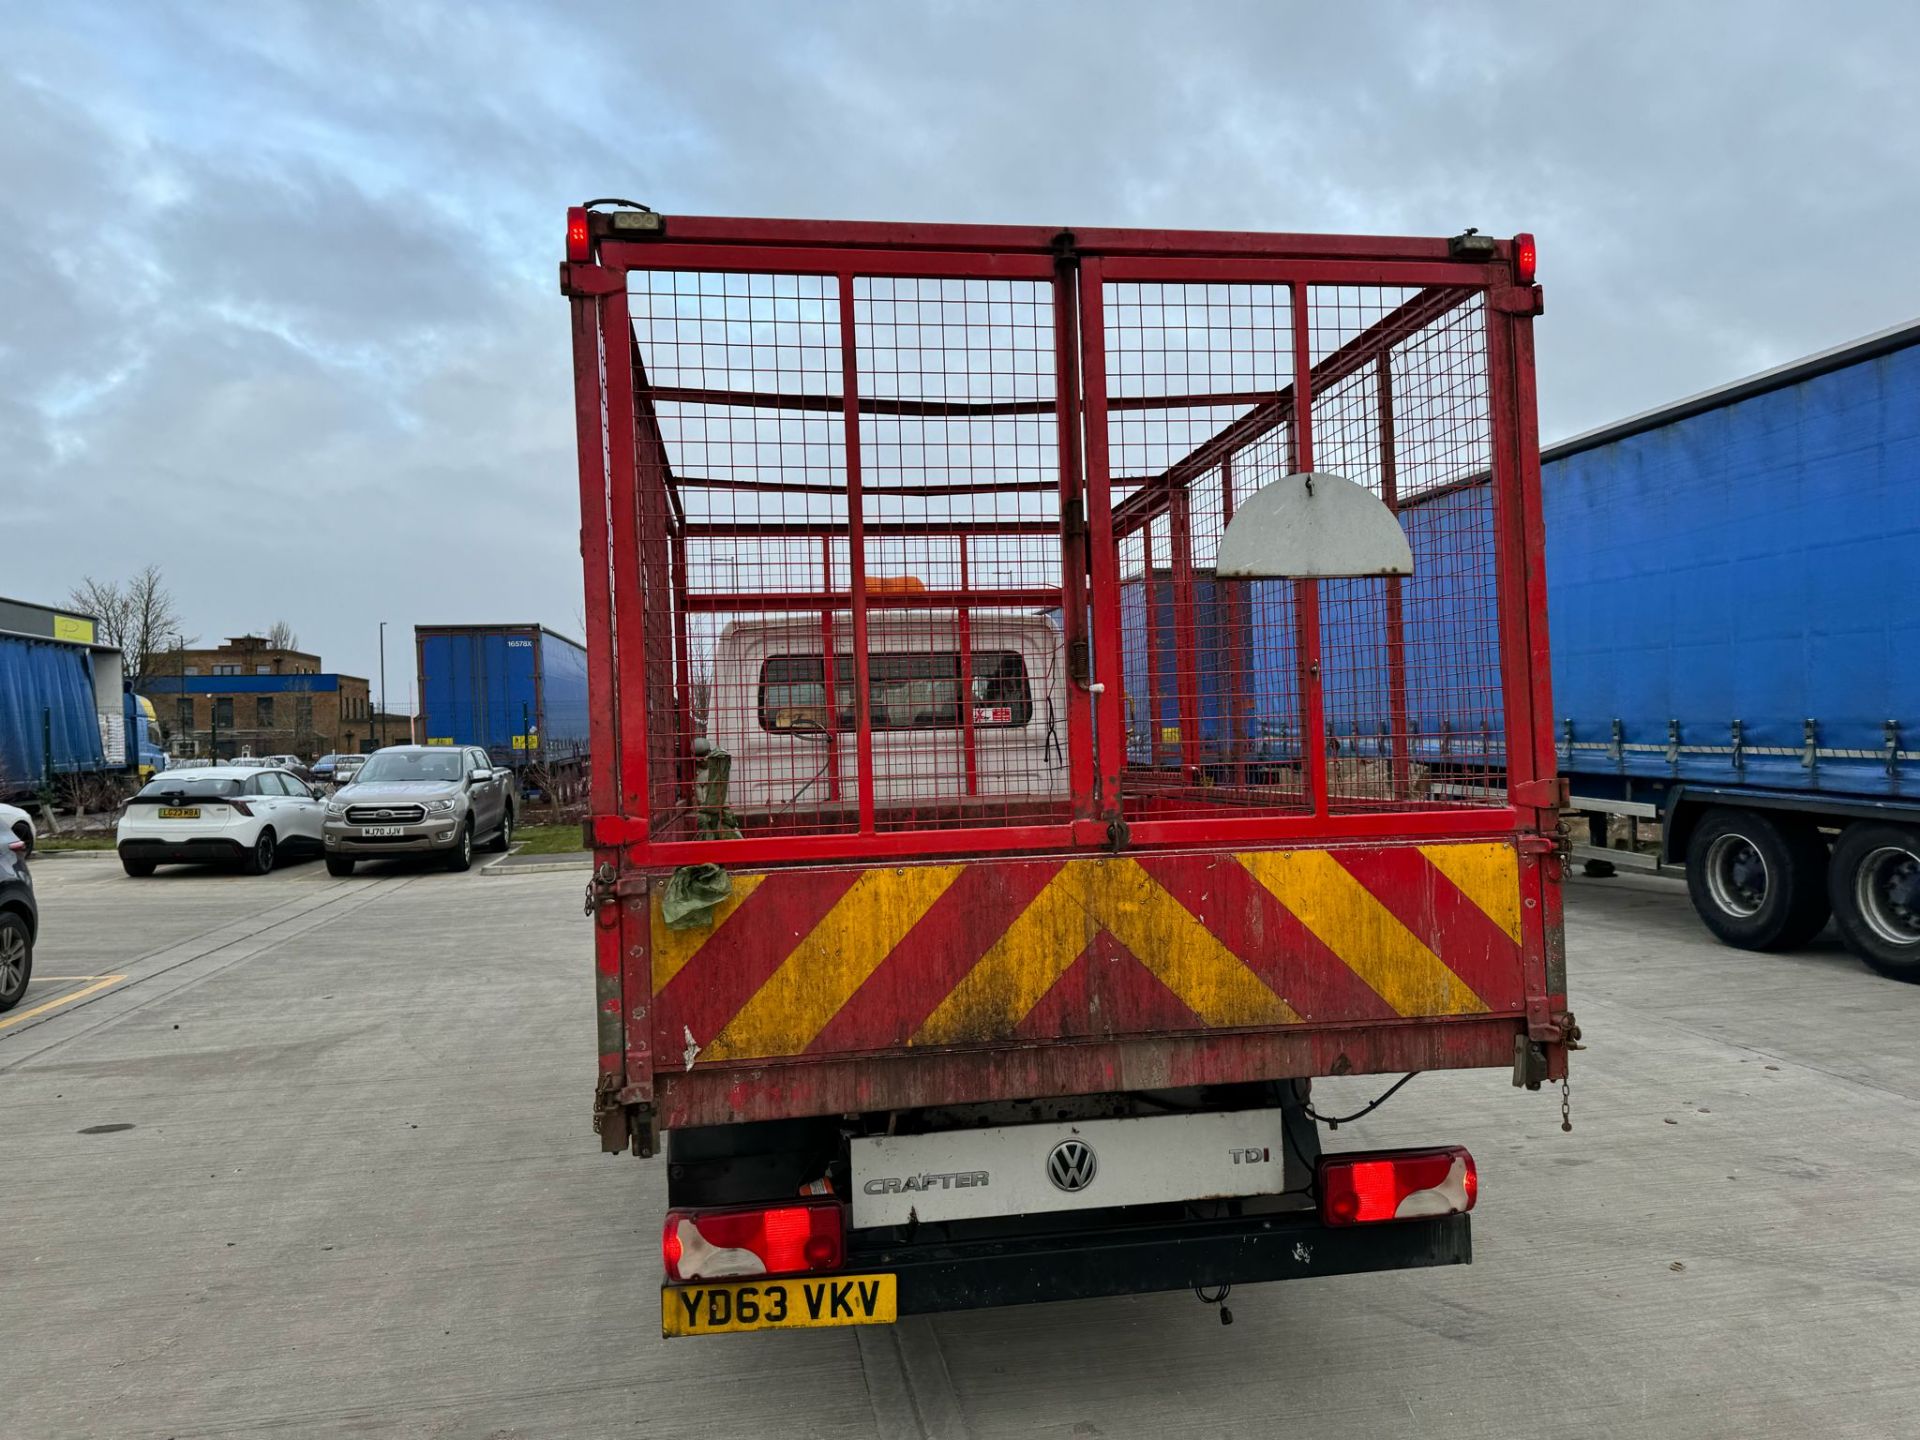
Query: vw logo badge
x=1071, y=1165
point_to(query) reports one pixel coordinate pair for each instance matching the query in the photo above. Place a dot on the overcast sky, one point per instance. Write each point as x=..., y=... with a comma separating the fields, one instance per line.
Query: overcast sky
x=277, y=280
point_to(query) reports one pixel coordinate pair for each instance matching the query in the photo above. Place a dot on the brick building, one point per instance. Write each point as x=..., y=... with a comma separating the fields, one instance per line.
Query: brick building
x=249, y=698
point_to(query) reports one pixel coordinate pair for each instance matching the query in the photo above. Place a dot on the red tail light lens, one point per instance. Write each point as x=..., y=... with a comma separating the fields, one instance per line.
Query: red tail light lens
x=579, y=243
x=1524, y=257
x=1368, y=1187
x=242, y=807
x=761, y=1240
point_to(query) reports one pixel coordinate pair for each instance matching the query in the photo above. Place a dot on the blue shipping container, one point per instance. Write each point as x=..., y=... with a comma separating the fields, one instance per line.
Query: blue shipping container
x=518, y=690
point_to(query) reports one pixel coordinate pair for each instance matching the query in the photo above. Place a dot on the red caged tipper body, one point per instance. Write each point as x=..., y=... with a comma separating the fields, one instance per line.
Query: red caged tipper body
x=1054, y=692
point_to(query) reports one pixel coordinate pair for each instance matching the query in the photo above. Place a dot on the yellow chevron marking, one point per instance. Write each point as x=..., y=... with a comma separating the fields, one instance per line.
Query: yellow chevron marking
x=1085, y=897
x=1346, y=918
x=1488, y=875
x=672, y=949
x=1020, y=967
x=1183, y=954
x=834, y=960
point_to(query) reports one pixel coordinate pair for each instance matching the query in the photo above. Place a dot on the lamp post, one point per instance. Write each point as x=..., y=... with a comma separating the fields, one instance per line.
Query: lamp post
x=381, y=722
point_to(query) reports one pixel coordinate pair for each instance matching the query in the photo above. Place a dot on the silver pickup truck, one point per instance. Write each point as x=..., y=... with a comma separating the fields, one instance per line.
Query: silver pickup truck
x=412, y=798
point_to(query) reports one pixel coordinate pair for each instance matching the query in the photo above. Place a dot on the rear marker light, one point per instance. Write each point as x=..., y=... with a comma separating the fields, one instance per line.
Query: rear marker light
x=1370, y=1187
x=762, y=1240
x=1524, y=258
x=579, y=243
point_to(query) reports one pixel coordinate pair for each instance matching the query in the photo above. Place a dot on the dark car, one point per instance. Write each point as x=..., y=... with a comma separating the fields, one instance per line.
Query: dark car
x=19, y=922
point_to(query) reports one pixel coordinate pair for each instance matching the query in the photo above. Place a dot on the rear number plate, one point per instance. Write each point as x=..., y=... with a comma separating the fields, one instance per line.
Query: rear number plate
x=167, y=813
x=377, y=830
x=720, y=1309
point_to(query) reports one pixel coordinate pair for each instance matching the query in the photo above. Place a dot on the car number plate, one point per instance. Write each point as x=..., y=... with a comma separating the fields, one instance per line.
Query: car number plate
x=377, y=830
x=176, y=813
x=734, y=1305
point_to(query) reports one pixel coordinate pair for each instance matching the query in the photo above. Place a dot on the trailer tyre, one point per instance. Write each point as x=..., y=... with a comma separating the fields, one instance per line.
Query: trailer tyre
x=1758, y=882
x=1874, y=883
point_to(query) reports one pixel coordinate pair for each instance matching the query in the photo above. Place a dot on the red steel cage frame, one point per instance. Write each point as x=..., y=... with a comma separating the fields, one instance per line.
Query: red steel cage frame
x=636, y=529
x=623, y=514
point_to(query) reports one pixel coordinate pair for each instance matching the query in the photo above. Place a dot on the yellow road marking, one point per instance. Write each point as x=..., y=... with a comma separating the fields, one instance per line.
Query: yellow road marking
x=1488, y=875
x=1084, y=898
x=672, y=949
x=1343, y=914
x=99, y=983
x=824, y=970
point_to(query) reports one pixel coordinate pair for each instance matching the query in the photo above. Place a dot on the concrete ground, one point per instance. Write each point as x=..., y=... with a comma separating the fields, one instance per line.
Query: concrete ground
x=298, y=1156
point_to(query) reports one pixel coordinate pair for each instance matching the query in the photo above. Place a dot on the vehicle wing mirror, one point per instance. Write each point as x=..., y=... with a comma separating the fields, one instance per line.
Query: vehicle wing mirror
x=479, y=776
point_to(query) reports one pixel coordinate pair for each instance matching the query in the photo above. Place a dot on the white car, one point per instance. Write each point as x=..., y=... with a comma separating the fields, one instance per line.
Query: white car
x=17, y=822
x=220, y=813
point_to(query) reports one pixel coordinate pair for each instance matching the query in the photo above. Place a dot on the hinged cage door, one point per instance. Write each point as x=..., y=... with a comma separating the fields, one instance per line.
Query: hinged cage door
x=1279, y=706
x=863, y=587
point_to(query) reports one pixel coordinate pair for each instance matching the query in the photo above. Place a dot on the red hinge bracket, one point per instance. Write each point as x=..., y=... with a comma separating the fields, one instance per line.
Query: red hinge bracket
x=1548, y=794
x=578, y=279
x=1518, y=300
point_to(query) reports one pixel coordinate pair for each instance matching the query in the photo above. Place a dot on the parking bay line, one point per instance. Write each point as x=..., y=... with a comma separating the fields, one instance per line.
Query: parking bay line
x=267, y=931
x=100, y=982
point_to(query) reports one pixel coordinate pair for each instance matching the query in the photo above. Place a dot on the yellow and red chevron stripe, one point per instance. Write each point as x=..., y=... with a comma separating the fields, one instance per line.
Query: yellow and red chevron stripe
x=888, y=958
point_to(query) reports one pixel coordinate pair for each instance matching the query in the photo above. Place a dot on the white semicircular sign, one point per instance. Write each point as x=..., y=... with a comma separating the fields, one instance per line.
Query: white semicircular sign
x=1314, y=526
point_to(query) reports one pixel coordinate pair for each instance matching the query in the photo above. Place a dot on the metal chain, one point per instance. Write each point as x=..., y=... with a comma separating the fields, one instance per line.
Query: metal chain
x=1566, y=1103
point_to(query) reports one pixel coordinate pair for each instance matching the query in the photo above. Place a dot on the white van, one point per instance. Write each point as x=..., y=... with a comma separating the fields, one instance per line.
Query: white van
x=793, y=750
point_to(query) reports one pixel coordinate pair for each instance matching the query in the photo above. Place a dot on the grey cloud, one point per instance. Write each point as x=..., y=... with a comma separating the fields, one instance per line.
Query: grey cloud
x=258, y=262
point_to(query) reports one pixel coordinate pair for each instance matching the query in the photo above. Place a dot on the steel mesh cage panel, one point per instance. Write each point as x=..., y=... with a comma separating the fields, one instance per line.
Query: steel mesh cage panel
x=937, y=505
x=921, y=549
x=1217, y=674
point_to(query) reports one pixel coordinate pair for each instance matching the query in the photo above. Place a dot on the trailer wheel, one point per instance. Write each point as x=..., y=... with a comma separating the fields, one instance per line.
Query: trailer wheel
x=1756, y=881
x=1874, y=883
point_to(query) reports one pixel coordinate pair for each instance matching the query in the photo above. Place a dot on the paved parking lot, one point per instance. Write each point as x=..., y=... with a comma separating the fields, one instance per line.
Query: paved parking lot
x=302, y=1156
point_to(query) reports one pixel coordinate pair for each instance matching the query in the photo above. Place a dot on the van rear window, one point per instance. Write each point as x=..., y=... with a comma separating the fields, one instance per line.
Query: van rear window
x=904, y=692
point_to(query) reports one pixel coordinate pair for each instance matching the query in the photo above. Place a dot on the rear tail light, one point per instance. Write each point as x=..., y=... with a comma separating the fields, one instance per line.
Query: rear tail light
x=1524, y=257
x=1367, y=1187
x=16, y=845
x=242, y=807
x=579, y=243
x=761, y=1240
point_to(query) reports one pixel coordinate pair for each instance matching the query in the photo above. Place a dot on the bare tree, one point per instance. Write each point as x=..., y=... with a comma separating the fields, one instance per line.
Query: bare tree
x=106, y=601
x=139, y=617
x=282, y=637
